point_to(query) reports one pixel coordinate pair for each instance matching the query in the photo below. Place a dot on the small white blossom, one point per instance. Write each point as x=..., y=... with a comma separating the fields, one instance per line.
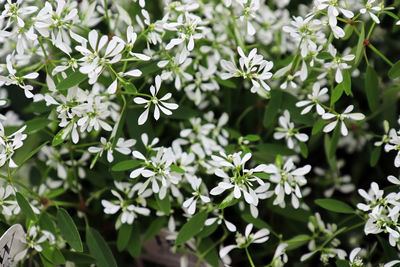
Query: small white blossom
x=159, y=103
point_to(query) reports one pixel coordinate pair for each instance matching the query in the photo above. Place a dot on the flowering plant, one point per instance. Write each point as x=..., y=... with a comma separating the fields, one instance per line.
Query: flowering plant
x=193, y=122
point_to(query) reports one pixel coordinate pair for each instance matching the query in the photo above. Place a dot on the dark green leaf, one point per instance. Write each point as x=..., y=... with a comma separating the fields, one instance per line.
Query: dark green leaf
x=303, y=149
x=252, y=137
x=372, y=88
x=124, y=235
x=78, y=257
x=334, y=140
x=348, y=30
x=317, y=127
x=359, y=48
x=272, y=108
x=275, y=149
x=135, y=245
x=36, y=124
x=52, y=253
x=334, y=205
x=62, y=135
x=376, y=153
x=177, y=168
x=99, y=249
x=126, y=165
x=72, y=79
x=394, y=72
x=346, y=82
x=164, y=204
x=191, y=227
x=297, y=241
x=226, y=83
x=337, y=93
x=227, y=202
x=68, y=230
x=46, y=223
x=154, y=228
x=25, y=207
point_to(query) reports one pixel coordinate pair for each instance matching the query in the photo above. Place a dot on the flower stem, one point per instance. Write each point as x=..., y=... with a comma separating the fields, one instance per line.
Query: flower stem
x=249, y=257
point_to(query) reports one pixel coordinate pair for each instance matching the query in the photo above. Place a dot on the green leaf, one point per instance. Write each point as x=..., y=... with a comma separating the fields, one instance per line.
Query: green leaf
x=164, y=204
x=176, y=168
x=272, y=108
x=334, y=140
x=62, y=135
x=337, y=93
x=252, y=137
x=208, y=230
x=297, y=241
x=303, y=149
x=149, y=68
x=77, y=257
x=36, y=124
x=348, y=31
x=68, y=230
x=228, y=201
x=226, y=83
x=359, y=48
x=255, y=221
x=129, y=87
x=372, y=88
x=52, y=253
x=346, y=82
x=30, y=155
x=126, y=165
x=124, y=234
x=275, y=149
x=191, y=227
x=154, y=228
x=99, y=249
x=25, y=207
x=342, y=263
x=135, y=245
x=211, y=255
x=394, y=71
x=317, y=127
x=334, y=205
x=324, y=56
x=72, y=79
x=46, y=223
x=375, y=154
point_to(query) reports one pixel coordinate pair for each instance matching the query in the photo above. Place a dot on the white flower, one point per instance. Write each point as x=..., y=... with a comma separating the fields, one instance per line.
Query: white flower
x=92, y=63
x=8, y=145
x=219, y=219
x=261, y=236
x=318, y=95
x=122, y=146
x=12, y=78
x=340, y=118
x=333, y=10
x=241, y=180
x=338, y=63
x=288, y=131
x=280, y=257
x=129, y=211
x=288, y=181
x=187, y=28
x=371, y=7
x=394, y=144
x=307, y=32
x=190, y=203
x=355, y=260
x=252, y=67
x=159, y=104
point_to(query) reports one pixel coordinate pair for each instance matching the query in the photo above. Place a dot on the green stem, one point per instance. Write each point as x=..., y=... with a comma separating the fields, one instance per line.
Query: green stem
x=249, y=257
